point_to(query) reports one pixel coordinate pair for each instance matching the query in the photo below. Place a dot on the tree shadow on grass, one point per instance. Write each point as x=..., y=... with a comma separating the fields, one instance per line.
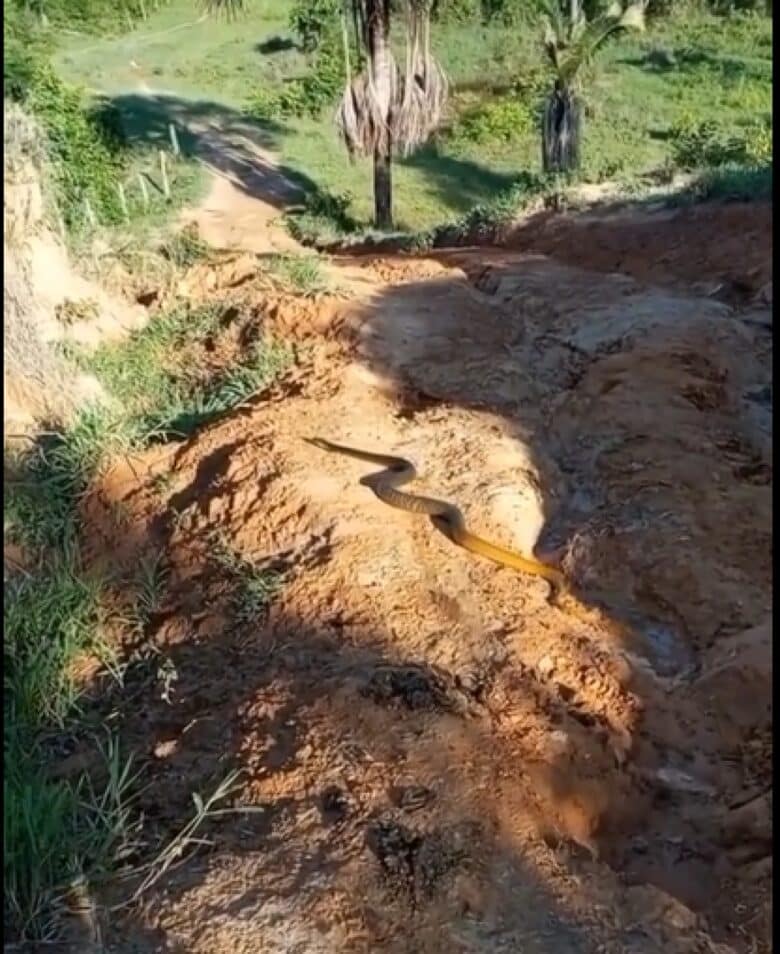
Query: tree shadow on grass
x=692, y=59
x=246, y=152
x=227, y=142
x=276, y=44
x=459, y=184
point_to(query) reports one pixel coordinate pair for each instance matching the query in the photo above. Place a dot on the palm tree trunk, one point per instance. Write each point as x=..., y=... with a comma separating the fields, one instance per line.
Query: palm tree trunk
x=383, y=189
x=381, y=69
x=561, y=131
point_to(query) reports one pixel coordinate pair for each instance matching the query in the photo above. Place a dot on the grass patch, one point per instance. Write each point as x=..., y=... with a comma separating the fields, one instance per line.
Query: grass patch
x=729, y=182
x=185, y=248
x=163, y=389
x=301, y=273
x=60, y=833
x=42, y=501
x=255, y=586
x=57, y=835
x=323, y=216
x=56, y=832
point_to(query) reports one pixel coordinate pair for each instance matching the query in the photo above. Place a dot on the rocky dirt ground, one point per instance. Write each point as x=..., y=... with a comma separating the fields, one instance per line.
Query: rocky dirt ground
x=433, y=758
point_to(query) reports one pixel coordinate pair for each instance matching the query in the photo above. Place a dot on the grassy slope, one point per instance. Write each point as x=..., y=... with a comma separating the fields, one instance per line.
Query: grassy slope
x=58, y=829
x=723, y=72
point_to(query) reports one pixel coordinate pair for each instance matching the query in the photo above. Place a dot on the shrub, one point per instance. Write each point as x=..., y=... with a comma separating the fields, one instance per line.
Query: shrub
x=483, y=220
x=698, y=144
x=511, y=12
x=185, y=248
x=85, y=154
x=306, y=96
x=313, y=20
x=758, y=144
x=322, y=213
x=532, y=82
x=502, y=120
x=26, y=49
x=87, y=16
x=456, y=11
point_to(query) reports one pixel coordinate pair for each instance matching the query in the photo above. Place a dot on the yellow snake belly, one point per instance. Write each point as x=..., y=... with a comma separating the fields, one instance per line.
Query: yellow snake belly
x=444, y=516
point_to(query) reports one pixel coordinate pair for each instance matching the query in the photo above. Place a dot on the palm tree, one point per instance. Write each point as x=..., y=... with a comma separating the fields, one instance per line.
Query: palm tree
x=384, y=110
x=571, y=41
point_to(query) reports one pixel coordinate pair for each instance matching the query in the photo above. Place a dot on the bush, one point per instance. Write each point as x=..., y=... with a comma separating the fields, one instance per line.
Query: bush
x=323, y=213
x=511, y=12
x=502, y=120
x=664, y=8
x=456, y=11
x=700, y=144
x=86, y=16
x=26, y=49
x=85, y=153
x=307, y=96
x=484, y=220
x=313, y=21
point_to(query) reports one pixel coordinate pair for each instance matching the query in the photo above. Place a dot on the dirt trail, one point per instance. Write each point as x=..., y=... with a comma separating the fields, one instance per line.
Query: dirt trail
x=249, y=191
x=433, y=757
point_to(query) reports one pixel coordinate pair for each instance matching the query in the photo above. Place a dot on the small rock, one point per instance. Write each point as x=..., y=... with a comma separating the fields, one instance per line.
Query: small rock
x=164, y=750
x=546, y=666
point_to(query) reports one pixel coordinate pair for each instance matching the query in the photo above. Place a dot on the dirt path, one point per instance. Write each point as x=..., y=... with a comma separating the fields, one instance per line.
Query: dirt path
x=249, y=191
x=433, y=758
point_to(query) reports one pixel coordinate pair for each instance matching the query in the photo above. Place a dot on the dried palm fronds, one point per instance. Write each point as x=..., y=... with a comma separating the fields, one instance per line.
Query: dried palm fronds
x=423, y=92
x=381, y=108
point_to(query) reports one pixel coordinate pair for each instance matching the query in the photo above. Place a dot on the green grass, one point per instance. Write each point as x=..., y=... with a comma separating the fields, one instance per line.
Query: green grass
x=161, y=391
x=255, y=587
x=721, y=71
x=56, y=831
x=57, y=834
x=40, y=505
x=301, y=273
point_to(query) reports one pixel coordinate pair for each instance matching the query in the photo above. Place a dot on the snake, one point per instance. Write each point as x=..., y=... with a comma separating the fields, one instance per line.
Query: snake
x=445, y=516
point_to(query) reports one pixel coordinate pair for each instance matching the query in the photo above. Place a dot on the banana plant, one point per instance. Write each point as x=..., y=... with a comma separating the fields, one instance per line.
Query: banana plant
x=571, y=41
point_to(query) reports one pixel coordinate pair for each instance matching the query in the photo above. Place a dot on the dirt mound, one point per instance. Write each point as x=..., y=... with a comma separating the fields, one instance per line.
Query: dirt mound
x=708, y=248
x=433, y=756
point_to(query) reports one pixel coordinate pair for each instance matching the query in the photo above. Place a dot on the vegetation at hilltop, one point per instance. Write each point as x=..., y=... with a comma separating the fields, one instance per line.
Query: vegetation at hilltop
x=690, y=93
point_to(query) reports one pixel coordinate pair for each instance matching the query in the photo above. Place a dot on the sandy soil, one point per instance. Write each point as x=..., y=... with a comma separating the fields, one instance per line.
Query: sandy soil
x=434, y=758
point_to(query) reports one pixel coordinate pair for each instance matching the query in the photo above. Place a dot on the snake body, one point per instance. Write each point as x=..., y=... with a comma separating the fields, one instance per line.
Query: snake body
x=444, y=516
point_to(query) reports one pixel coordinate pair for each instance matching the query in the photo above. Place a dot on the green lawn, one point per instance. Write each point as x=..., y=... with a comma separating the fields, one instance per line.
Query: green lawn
x=708, y=69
